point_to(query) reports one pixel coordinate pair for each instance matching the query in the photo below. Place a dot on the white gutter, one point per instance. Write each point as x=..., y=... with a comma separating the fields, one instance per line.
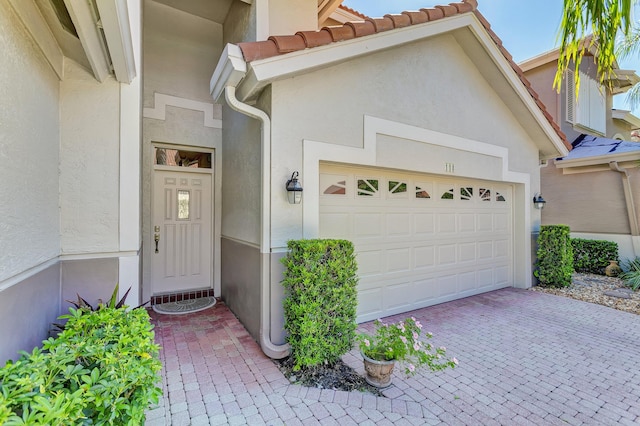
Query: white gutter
x=628, y=196
x=229, y=72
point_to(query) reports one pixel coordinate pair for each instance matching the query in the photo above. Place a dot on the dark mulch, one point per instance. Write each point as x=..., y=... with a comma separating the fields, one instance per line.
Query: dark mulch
x=337, y=377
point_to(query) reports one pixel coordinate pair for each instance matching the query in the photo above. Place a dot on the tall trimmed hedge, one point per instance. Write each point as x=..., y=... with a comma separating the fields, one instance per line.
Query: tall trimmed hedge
x=555, y=256
x=320, y=282
x=592, y=256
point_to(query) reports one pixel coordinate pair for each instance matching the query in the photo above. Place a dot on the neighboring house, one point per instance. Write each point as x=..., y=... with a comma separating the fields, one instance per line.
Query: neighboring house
x=596, y=188
x=415, y=136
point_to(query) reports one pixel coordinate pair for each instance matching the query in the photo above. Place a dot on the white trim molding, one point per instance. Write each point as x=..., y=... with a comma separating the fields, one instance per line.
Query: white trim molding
x=212, y=112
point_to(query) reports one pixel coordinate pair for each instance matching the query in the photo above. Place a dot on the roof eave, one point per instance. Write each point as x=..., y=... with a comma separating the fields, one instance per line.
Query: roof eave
x=598, y=160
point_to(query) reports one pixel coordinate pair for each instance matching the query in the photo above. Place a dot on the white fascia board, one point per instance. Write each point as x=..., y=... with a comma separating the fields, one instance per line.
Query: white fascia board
x=344, y=16
x=114, y=17
x=600, y=159
x=618, y=114
x=539, y=60
x=37, y=27
x=230, y=70
x=84, y=20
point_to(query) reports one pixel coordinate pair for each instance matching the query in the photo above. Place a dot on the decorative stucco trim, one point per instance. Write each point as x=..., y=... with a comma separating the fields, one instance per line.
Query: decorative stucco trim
x=315, y=152
x=212, y=112
x=243, y=242
x=100, y=255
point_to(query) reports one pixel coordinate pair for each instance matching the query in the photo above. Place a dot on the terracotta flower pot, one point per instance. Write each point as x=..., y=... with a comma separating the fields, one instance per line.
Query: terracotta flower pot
x=378, y=373
x=613, y=269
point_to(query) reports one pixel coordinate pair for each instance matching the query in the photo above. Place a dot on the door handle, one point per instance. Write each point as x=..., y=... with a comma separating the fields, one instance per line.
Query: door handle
x=156, y=236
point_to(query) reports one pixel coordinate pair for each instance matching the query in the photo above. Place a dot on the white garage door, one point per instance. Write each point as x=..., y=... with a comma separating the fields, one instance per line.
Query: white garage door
x=420, y=239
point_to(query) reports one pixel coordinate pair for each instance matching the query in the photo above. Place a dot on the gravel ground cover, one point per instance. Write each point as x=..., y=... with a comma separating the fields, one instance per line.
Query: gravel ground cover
x=600, y=289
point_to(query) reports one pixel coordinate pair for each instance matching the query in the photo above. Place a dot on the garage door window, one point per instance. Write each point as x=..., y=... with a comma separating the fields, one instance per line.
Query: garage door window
x=367, y=187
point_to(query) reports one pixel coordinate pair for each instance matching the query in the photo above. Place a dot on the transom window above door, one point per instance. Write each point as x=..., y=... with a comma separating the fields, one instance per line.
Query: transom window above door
x=181, y=158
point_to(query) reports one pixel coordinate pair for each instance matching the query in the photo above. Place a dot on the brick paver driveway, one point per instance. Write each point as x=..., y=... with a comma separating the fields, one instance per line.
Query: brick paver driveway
x=525, y=358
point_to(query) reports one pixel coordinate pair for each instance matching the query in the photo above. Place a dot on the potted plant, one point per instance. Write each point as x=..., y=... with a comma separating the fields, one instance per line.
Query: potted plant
x=399, y=342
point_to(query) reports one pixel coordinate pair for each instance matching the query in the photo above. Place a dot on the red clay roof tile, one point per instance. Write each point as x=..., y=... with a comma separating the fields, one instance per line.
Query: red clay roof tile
x=417, y=17
x=255, y=50
x=290, y=43
x=361, y=29
x=382, y=24
x=277, y=45
x=399, y=21
x=353, y=11
x=315, y=38
x=341, y=32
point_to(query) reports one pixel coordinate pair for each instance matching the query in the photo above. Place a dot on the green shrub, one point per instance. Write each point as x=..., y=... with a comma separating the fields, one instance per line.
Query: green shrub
x=102, y=369
x=321, y=297
x=631, y=273
x=555, y=256
x=592, y=256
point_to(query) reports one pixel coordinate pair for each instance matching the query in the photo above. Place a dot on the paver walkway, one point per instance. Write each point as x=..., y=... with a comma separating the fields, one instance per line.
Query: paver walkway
x=526, y=358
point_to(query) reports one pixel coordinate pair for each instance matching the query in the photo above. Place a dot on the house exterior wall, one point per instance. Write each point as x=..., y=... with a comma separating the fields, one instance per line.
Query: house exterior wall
x=27, y=311
x=587, y=202
x=89, y=163
x=287, y=17
x=92, y=279
x=29, y=152
x=180, y=51
x=336, y=99
x=331, y=108
x=242, y=19
x=29, y=156
x=541, y=78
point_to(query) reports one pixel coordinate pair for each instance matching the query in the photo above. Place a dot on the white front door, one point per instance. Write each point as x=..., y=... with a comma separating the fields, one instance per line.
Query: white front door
x=182, y=237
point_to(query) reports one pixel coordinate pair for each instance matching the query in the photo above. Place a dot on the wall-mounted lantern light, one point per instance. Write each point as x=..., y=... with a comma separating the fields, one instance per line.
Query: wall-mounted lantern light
x=538, y=201
x=294, y=189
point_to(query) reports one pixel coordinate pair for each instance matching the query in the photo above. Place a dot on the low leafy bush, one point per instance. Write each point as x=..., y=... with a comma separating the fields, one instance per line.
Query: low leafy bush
x=555, y=256
x=102, y=369
x=631, y=273
x=320, y=305
x=592, y=256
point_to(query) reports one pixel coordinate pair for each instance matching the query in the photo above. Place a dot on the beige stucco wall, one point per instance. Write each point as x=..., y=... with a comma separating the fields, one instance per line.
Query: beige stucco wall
x=587, y=202
x=541, y=78
x=288, y=17
x=29, y=151
x=242, y=19
x=89, y=163
x=431, y=84
x=180, y=52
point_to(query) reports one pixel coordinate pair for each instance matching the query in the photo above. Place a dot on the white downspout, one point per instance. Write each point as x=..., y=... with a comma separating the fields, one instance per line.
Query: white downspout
x=268, y=347
x=628, y=196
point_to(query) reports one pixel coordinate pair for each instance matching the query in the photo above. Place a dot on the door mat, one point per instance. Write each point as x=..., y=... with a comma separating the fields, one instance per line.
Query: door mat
x=185, y=306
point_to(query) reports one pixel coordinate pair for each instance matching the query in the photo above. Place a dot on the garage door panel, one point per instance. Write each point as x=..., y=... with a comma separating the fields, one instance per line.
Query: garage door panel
x=485, y=222
x=467, y=281
x=336, y=225
x=367, y=225
x=395, y=296
x=424, y=257
x=424, y=224
x=398, y=225
x=419, y=239
x=447, y=284
x=446, y=223
x=466, y=222
x=447, y=254
x=369, y=303
x=398, y=260
x=467, y=252
x=369, y=262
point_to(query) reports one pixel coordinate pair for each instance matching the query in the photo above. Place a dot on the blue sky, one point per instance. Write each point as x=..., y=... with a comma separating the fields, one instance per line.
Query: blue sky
x=526, y=27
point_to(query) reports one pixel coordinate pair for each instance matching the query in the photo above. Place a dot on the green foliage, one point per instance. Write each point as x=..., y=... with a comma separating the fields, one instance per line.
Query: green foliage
x=631, y=273
x=592, y=256
x=101, y=370
x=401, y=342
x=320, y=282
x=555, y=256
